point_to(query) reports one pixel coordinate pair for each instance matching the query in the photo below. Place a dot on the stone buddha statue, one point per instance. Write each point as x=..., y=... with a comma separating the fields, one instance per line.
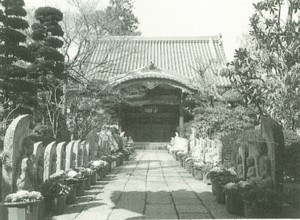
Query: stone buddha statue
x=265, y=172
x=239, y=167
x=251, y=172
x=25, y=180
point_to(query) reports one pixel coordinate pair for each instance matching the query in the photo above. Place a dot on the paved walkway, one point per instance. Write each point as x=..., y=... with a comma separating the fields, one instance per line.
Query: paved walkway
x=150, y=186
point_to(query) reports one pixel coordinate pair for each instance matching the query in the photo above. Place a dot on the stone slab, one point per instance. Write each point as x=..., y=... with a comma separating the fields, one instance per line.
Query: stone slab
x=194, y=215
x=158, y=211
x=159, y=198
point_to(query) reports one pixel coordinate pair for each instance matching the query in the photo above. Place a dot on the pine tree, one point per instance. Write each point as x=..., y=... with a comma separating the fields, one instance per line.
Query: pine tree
x=48, y=67
x=118, y=18
x=49, y=62
x=17, y=91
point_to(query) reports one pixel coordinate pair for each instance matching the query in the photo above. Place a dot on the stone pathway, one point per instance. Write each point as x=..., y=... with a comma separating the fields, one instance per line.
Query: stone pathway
x=150, y=186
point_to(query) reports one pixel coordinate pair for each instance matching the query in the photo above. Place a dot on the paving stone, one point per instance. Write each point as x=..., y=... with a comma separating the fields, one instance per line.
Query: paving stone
x=132, y=196
x=159, y=197
x=136, y=206
x=158, y=211
x=190, y=208
x=194, y=215
x=120, y=214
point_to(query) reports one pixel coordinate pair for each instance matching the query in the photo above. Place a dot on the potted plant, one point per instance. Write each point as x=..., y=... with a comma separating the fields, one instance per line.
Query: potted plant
x=99, y=167
x=259, y=201
x=219, y=178
x=86, y=173
x=114, y=161
x=78, y=179
x=62, y=176
x=120, y=156
x=234, y=203
x=55, y=193
x=107, y=159
x=180, y=156
x=199, y=169
x=126, y=153
x=188, y=163
x=24, y=205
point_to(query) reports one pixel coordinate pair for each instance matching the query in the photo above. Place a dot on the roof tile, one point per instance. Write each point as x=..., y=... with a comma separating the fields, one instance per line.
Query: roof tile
x=180, y=55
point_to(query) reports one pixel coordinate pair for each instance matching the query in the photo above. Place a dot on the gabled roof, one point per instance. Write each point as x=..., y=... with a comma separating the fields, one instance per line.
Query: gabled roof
x=180, y=56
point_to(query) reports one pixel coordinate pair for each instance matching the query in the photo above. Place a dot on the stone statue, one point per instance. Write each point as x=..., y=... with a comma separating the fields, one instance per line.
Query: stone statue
x=266, y=172
x=239, y=167
x=25, y=180
x=251, y=173
x=63, y=160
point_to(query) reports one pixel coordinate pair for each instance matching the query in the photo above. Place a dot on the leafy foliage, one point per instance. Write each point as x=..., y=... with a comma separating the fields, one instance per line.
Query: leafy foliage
x=118, y=18
x=266, y=75
x=48, y=67
x=17, y=91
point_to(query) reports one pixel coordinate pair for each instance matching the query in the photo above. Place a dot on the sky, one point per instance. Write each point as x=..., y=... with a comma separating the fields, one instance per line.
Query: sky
x=184, y=18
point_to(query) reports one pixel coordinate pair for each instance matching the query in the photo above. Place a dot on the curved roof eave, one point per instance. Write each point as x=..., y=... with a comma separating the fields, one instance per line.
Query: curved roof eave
x=157, y=75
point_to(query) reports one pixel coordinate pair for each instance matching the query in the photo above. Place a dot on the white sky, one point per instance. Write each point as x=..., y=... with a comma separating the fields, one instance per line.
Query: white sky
x=184, y=17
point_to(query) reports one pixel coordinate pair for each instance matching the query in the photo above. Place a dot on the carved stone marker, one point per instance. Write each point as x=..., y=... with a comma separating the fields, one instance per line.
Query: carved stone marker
x=85, y=155
x=92, y=139
x=50, y=160
x=38, y=162
x=75, y=154
x=88, y=150
x=61, y=156
x=273, y=134
x=80, y=154
x=69, y=154
x=12, y=153
x=104, y=144
x=26, y=179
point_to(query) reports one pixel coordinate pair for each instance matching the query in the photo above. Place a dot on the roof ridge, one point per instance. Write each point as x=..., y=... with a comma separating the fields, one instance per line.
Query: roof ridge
x=163, y=38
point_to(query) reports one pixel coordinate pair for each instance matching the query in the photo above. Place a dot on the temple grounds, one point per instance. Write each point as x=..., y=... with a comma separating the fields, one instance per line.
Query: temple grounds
x=152, y=185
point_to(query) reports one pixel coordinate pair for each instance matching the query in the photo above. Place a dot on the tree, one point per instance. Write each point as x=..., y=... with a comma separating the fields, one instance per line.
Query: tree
x=118, y=18
x=83, y=29
x=217, y=111
x=17, y=91
x=85, y=26
x=265, y=76
x=48, y=68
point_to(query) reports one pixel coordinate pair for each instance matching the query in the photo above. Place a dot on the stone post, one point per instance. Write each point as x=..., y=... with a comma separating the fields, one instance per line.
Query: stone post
x=219, y=146
x=61, y=156
x=75, y=154
x=12, y=153
x=92, y=138
x=50, y=160
x=85, y=152
x=273, y=134
x=38, y=162
x=69, y=155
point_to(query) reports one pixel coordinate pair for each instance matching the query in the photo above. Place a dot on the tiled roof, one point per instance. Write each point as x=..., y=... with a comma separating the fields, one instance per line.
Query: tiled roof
x=177, y=56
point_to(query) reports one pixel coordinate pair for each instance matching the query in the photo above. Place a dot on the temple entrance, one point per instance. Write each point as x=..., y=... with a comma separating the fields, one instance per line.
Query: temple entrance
x=151, y=123
x=152, y=114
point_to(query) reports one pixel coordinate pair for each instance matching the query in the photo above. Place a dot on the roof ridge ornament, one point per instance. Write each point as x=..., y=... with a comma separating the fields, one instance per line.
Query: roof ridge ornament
x=151, y=67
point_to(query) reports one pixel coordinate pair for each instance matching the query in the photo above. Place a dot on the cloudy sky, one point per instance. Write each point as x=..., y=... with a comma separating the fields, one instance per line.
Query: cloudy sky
x=184, y=17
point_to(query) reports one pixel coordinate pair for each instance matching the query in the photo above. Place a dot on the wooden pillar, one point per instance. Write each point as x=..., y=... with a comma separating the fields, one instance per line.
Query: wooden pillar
x=181, y=121
x=120, y=118
x=181, y=116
